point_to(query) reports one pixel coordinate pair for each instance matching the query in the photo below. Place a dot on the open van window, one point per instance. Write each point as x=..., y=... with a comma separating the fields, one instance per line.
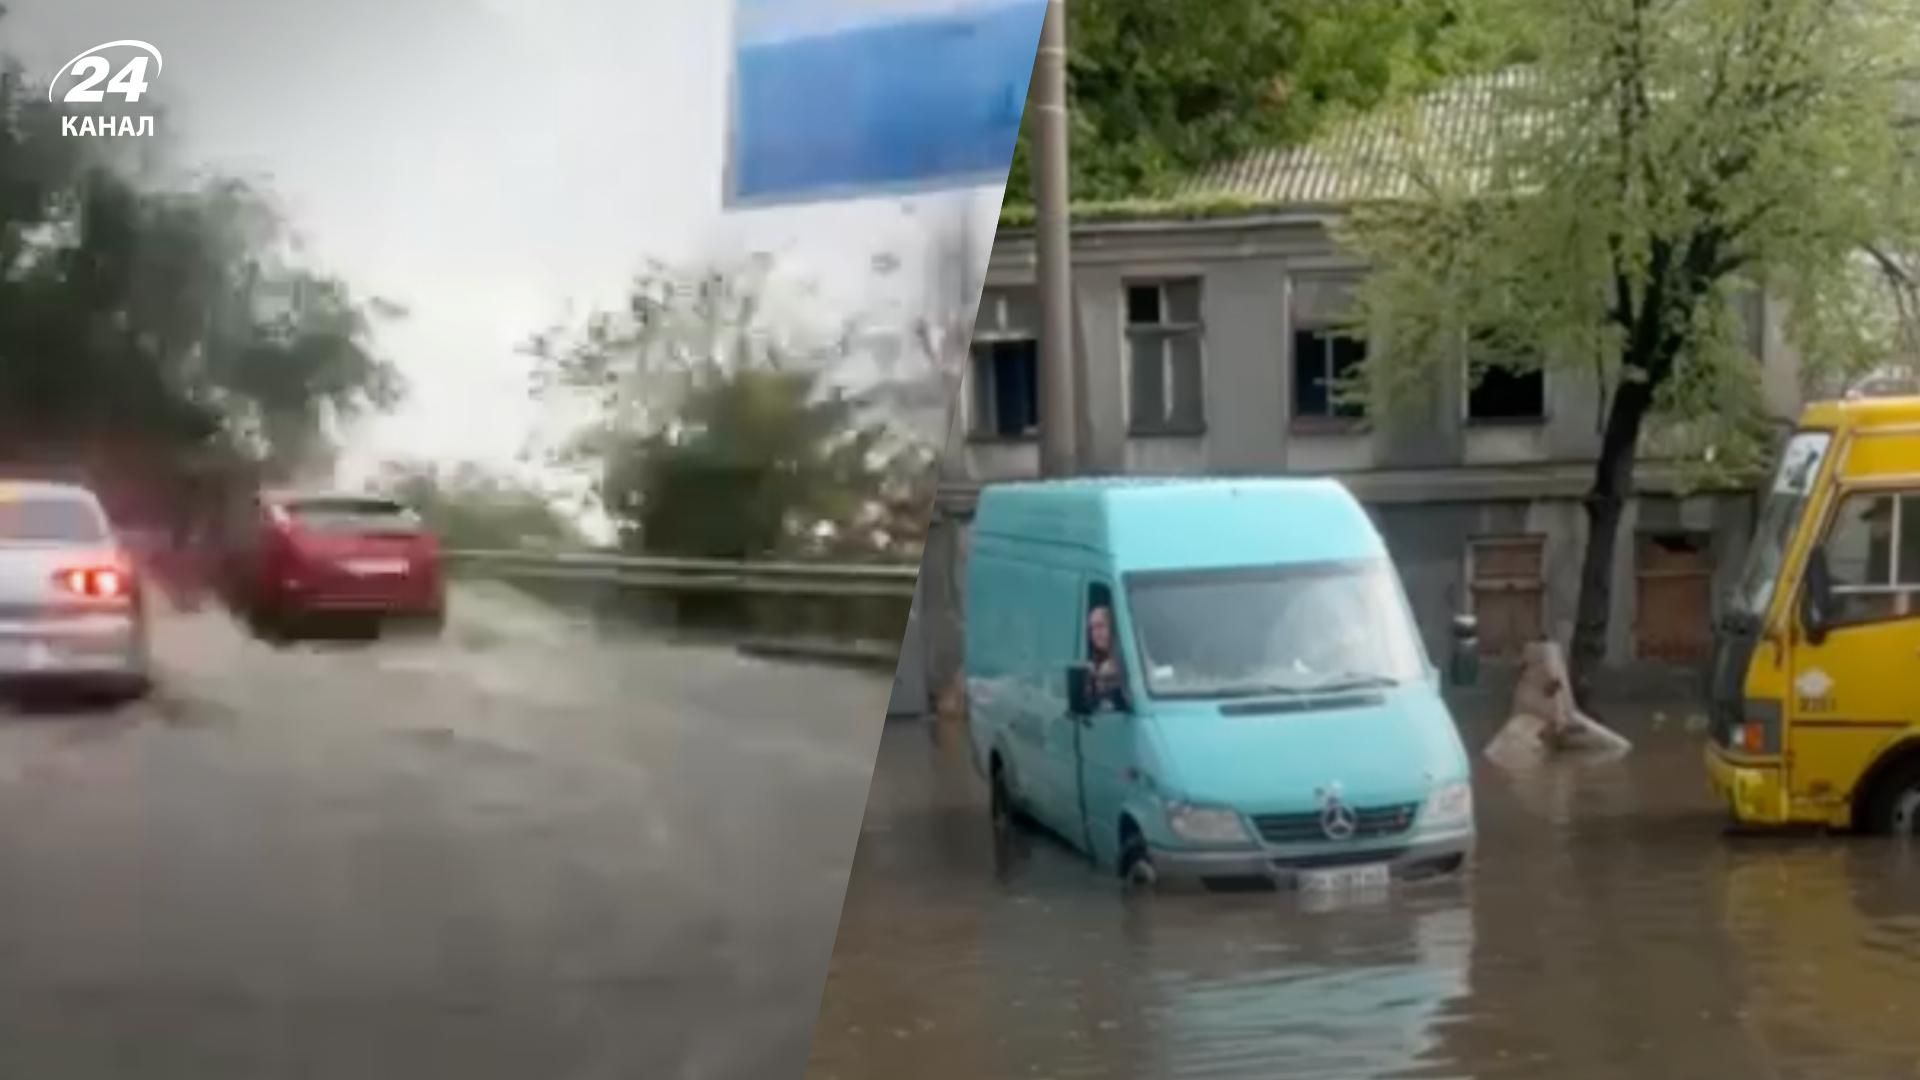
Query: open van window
x=1785, y=503
x=1107, y=676
x=1273, y=630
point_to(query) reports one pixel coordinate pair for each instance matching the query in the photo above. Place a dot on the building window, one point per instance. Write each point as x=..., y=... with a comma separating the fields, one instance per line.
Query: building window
x=1324, y=361
x=1005, y=372
x=1873, y=557
x=1327, y=352
x=1504, y=383
x=1501, y=393
x=1006, y=389
x=1508, y=580
x=1166, y=393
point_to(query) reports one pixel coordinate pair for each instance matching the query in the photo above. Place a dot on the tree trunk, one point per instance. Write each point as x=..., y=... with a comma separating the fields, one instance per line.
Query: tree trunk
x=1606, y=503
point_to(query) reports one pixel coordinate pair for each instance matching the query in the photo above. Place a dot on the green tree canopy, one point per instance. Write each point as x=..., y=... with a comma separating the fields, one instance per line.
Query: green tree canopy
x=470, y=506
x=1160, y=89
x=1659, y=159
x=144, y=329
x=715, y=425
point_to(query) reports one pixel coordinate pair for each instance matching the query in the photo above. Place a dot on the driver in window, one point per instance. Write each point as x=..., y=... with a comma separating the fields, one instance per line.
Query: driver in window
x=1108, y=685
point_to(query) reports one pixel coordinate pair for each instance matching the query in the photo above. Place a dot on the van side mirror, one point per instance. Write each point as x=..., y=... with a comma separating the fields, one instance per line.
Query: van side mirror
x=1816, y=597
x=1464, y=669
x=1080, y=689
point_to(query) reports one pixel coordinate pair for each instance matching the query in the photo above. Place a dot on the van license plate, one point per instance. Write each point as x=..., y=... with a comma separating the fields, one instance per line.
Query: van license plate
x=1347, y=878
x=376, y=567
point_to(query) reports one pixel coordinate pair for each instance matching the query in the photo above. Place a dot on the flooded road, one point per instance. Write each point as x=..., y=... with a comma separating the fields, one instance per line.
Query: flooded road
x=1610, y=928
x=532, y=849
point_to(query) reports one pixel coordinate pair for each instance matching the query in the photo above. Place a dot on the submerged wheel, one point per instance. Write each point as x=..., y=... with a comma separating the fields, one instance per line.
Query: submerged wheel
x=1136, y=862
x=1894, y=809
x=1000, y=802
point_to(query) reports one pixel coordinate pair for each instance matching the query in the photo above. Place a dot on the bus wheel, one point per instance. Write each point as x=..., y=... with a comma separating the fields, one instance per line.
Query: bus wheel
x=1895, y=809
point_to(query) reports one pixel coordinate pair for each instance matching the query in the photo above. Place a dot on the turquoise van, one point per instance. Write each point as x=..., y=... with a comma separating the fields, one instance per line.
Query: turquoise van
x=1209, y=679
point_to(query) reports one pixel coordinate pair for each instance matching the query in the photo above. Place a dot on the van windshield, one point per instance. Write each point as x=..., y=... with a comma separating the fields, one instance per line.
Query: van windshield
x=1779, y=514
x=1273, y=630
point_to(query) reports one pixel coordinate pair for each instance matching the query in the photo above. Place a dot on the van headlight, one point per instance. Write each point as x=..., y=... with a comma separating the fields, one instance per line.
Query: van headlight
x=1448, y=804
x=1206, y=824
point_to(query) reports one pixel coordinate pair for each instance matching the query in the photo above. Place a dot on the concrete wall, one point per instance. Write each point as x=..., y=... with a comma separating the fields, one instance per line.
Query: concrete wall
x=1430, y=541
x=1251, y=272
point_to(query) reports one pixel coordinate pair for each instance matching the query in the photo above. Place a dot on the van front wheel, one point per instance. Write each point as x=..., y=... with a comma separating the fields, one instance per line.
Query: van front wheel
x=1136, y=863
x=1000, y=803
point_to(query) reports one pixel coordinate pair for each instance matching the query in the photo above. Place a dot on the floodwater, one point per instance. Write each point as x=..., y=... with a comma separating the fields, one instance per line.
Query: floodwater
x=534, y=849
x=1610, y=927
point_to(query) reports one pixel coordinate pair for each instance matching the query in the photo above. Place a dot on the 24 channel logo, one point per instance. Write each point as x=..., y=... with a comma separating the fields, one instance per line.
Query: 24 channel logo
x=83, y=76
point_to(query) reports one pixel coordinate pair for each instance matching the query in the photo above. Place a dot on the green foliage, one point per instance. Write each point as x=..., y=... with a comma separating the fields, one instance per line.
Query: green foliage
x=144, y=330
x=1658, y=161
x=1673, y=157
x=472, y=507
x=1160, y=90
x=1196, y=208
x=716, y=430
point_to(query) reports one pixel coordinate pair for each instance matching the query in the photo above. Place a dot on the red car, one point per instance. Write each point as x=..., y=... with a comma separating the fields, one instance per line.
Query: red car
x=300, y=562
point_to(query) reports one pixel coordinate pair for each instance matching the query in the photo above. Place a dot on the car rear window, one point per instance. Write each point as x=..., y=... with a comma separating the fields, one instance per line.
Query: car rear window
x=49, y=519
x=349, y=515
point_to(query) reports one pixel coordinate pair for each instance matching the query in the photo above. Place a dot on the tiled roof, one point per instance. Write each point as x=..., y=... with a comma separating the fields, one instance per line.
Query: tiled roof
x=1450, y=134
x=1370, y=155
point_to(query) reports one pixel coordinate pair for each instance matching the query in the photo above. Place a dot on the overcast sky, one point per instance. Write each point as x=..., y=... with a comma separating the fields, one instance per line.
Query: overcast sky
x=489, y=164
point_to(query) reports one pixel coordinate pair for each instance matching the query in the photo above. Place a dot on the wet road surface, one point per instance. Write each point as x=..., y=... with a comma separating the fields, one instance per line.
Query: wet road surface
x=1610, y=928
x=524, y=851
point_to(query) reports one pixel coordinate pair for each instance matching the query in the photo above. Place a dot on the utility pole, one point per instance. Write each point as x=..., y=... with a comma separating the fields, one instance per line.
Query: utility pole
x=1052, y=241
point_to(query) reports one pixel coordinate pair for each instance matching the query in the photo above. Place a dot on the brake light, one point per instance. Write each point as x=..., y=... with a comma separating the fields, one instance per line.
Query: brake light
x=95, y=582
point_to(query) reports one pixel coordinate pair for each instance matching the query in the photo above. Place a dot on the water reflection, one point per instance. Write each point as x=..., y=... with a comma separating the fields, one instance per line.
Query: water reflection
x=1832, y=942
x=1609, y=928
x=1337, y=997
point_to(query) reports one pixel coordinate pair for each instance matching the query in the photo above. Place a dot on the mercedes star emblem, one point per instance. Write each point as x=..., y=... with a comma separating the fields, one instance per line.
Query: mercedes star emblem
x=1337, y=819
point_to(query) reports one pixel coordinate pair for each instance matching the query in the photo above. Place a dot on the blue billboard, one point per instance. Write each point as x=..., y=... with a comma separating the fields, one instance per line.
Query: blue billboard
x=849, y=98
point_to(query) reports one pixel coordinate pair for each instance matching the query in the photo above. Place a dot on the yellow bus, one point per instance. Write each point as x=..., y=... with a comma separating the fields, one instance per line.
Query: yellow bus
x=1816, y=678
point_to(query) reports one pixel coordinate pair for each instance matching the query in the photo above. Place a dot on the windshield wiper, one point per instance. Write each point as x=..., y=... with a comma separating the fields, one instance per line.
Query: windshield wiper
x=1352, y=681
x=1333, y=685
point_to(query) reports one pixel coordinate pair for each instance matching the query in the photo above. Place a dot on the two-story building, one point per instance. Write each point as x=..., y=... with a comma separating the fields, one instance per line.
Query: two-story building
x=1209, y=344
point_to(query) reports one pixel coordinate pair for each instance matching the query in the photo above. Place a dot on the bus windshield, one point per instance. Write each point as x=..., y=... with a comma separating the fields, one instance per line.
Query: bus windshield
x=1779, y=514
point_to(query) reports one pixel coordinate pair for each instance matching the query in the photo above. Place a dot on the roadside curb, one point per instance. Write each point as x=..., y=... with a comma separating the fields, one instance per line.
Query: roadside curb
x=868, y=657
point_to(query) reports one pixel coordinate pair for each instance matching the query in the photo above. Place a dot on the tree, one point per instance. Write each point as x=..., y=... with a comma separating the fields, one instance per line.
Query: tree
x=717, y=431
x=1658, y=159
x=1162, y=89
x=148, y=332
x=468, y=505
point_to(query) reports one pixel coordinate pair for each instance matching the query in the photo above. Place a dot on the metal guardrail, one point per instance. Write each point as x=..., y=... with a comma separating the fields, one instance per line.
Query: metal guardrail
x=694, y=575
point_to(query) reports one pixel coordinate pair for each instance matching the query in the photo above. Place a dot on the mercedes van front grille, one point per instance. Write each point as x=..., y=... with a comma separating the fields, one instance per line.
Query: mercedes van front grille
x=1370, y=823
